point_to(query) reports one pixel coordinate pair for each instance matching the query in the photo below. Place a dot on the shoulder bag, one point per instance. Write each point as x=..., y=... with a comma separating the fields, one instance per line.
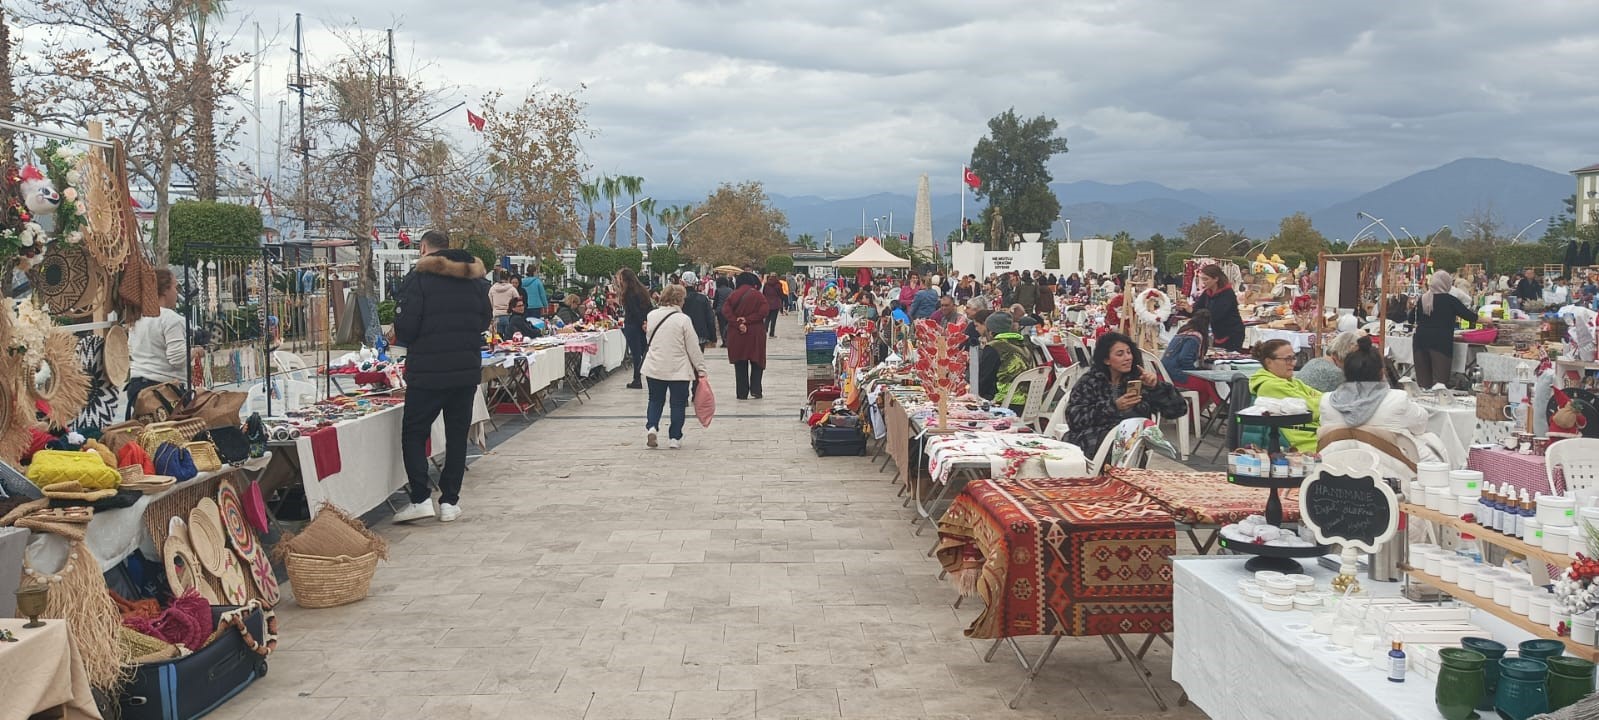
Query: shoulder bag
x=158, y=402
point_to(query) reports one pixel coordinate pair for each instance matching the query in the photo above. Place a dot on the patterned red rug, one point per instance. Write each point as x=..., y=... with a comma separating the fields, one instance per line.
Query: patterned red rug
x=1080, y=556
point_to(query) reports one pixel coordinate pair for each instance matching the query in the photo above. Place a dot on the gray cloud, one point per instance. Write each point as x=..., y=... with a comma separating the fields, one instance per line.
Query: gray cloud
x=836, y=98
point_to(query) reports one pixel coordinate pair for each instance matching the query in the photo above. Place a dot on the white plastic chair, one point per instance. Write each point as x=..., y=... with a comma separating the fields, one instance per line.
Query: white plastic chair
x=1187, y=425
x=1056, y=427
x=1037, y=381
x=1579, y=459
x=290, y=364
x=1055, y=406
x=1075, y=346
x=1134, y=457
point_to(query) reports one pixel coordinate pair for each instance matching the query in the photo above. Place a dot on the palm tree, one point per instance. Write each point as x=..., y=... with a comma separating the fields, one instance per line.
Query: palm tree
x=590, y=193
x=668, y=217
x=684, y=214
x=611, y=187
x=201, y=12
x=647, y=206
x=632, y=184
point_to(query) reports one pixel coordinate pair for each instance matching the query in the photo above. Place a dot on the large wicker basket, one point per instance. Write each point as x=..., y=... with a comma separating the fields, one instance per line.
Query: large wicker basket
x=323, y=582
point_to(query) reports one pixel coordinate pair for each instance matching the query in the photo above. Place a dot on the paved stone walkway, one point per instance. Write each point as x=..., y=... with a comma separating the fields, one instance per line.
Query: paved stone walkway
x=739, y=577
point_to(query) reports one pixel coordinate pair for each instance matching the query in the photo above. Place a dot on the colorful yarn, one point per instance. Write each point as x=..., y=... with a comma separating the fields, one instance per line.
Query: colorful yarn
x=186, y=622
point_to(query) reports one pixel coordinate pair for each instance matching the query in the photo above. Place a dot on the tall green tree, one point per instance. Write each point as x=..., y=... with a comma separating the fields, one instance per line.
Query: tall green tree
x=590, y=193
x=611, y=188
x=1295, y=234
x=1159, y=245
x=632, y=185
x=1206, y=236
x=1013, y=163
x=646, y=207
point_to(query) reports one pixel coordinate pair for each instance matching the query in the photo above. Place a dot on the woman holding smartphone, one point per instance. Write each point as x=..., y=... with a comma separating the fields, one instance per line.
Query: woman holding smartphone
x=1116, y=387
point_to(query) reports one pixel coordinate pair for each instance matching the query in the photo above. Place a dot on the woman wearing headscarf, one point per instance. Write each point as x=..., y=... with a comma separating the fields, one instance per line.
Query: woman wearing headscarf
x=1434, y=342
x=746, y=310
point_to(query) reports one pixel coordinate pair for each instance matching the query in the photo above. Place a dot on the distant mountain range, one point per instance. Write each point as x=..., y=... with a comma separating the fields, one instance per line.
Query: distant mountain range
x=1514, y=193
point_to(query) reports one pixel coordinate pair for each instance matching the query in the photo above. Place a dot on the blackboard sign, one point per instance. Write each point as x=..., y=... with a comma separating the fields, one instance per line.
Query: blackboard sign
x=1359, y=511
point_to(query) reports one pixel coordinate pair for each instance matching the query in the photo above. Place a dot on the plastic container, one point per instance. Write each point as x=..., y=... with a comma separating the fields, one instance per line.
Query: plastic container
x=1521, y=599
x=1467, y=578
x=1254, y=594
x=1261, y=576
x=1277, y=603
x=1486, y=578
x=1504, y=587
x=1532, y=531
x=1467, y=504
x=1538, y=606
x=1557, y=511
x=1464, y=482
x=1281, y=587
x=1556, y=538
x=1449, y=569
x=1447, y=504
x=1435, y=496
x=1582, y=628
x=1302, y=583
x=1433, y=562
x=1433, y=474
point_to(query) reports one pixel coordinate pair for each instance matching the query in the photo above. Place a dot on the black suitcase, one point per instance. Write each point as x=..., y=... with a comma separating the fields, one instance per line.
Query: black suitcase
x=190, y=687
x=830, y=440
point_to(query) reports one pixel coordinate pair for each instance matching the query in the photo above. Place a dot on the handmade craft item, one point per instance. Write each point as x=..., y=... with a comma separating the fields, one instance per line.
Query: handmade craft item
x=78, y=594
x=183, y=567
x=65, y=280
x=59, y=381
x=206, y=536
x=941, y=361
x=103, y=211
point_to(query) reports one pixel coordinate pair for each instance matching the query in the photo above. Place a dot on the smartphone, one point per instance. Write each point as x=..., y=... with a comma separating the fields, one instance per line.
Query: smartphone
x=1135, y=387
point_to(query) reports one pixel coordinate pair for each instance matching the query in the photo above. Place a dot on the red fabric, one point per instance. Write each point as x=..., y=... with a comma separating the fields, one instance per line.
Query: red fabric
x=747, y=304
x=863, y=277
x=1205, y=388
x=187, y=622
x=39, y=440
x=132, y=454
x=1053, y=556
x=1060, y=355
x=474, y=121
x=325, y=452
x=972, y=179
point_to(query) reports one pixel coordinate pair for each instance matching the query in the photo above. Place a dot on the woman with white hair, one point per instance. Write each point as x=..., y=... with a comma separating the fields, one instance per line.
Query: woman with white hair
x=1434, y=342
x=1326, y=373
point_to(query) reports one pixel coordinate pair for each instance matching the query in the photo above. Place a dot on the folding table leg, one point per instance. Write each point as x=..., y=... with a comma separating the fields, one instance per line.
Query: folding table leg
x=1115, y=654
x=1143, y=672
x=1033, y=670
x=989, y=656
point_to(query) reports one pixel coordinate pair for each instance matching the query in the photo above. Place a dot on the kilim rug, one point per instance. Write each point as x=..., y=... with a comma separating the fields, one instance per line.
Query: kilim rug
x=1081, y=556
x=1204, y=498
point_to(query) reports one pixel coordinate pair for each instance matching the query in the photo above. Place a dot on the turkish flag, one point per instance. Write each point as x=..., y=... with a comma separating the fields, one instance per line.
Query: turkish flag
x=972, y=179
x=474, y=120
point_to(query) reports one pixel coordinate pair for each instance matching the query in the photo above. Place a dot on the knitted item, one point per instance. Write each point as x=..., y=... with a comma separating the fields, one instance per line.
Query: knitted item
x=145, y=608
x=133, y=454
x=186, y=622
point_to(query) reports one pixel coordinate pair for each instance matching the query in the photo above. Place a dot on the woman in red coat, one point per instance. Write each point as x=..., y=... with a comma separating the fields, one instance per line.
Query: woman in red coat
x=775, y=301
x=746, y=310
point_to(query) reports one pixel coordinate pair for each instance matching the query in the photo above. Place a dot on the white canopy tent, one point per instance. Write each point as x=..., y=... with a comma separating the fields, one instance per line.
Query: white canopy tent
x=872, y=255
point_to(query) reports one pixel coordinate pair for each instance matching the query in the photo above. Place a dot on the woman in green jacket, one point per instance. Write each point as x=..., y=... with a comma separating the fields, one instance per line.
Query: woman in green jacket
x=1275, y=379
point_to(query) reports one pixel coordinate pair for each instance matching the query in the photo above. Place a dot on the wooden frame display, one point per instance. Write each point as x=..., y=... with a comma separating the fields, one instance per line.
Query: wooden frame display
x=1369, y=280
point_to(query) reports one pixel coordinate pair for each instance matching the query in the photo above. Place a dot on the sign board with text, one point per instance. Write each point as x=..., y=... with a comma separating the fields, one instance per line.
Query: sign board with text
x=1354, y=510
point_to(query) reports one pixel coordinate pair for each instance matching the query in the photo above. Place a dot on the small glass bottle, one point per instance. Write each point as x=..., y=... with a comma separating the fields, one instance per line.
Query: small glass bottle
x=1512, y=515
x=1485, y=500
x=1396, y=663
x=1527, y=512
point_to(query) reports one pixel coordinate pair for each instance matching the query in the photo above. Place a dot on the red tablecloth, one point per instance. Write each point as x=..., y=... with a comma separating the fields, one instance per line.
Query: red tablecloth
x=1205, y=498
x=1499, y=465
x=1081, y=556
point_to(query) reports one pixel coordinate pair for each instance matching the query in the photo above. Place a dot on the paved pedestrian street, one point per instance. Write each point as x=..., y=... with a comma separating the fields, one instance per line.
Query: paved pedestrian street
x=739, y=577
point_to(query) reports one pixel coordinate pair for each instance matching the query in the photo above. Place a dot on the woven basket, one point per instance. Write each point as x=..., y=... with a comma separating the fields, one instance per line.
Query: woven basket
x=323, y=582
x=205, y=456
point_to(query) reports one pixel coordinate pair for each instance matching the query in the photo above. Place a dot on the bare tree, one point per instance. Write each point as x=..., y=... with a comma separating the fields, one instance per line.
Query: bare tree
x=8, y=95
x=128, y=64
x=526, y=198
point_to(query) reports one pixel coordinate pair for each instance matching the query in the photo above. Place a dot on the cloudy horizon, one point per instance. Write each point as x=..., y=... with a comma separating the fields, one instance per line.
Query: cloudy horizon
x=839, y=99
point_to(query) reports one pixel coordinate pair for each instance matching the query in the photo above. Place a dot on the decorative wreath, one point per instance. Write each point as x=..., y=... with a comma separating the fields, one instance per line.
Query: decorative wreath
x=66, y=389
x=66, y=280
x=1153, y=307
x=15, y=415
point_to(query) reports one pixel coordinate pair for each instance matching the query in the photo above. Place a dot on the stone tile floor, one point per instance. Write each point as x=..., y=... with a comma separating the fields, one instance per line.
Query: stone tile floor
x=739, y=577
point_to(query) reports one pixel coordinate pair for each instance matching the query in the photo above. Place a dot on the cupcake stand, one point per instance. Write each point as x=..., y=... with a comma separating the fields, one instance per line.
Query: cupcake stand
x=1271, y=557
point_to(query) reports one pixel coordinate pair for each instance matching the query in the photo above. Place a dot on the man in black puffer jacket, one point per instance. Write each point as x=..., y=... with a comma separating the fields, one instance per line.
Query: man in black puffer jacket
x=442, y=312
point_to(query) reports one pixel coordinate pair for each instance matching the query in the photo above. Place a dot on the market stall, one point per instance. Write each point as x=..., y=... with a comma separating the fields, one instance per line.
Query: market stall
x=42, y=672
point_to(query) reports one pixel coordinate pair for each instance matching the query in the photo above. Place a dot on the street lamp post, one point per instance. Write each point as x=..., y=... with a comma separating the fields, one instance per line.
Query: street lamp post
x=1434, y=233
x=1377, y=221
x=619, y=216
x=1206, y=240
x=1525, y=229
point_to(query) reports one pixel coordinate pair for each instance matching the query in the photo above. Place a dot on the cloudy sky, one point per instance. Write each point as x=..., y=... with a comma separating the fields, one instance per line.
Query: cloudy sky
x=840, y=97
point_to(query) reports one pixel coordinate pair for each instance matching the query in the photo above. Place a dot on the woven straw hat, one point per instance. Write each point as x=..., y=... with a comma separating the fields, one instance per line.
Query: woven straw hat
x=72, y=490
x=206, y=536
x=133, y=478
x=117, y=359
x=183, y=571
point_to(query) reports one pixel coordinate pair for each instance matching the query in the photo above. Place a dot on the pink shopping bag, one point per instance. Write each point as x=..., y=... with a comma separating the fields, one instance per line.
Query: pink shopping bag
x=704, y=401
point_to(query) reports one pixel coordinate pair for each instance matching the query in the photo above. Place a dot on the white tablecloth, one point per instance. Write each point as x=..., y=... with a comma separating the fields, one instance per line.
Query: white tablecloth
x=1401, y=349
x=370, y=465
x=1256, y=334
x=1236, y=660
x=545, y=366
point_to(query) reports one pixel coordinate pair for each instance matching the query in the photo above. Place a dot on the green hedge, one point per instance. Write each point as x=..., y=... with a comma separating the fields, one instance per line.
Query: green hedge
x=780, y=264
x=665, y=260
x=1446, y=258
x=482, y=250
x=595, y=261
x=1509, y=259
x=629, y=257
x=230, y=229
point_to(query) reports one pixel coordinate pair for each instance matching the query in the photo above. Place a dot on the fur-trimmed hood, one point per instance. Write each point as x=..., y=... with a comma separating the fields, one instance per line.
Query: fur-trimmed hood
x=452, y=262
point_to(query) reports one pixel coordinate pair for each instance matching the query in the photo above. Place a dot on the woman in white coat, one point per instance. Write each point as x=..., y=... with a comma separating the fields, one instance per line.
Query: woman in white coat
x=671, y=364
x=1365, y=401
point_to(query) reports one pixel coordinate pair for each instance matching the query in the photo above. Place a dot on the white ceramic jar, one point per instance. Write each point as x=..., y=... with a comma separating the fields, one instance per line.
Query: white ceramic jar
x=1486, y=578
x=1447, y=503
x=1433, y=562
x=1504, y=587
x=1435, y=496
x=1557, y=538
x=1449, y=569
x=1465, y=482
x=1433, y=474
x=1538, y=607
x=1582, y=628
x=1521, y=599
x=1467, y=577
x=1557, y=511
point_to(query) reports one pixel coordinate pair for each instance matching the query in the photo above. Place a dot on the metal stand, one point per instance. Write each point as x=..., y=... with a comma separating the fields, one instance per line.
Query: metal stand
x=1118, y=649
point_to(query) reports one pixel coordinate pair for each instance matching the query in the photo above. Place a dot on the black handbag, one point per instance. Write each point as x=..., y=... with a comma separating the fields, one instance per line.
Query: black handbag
x=255, y=432
x=232, y=446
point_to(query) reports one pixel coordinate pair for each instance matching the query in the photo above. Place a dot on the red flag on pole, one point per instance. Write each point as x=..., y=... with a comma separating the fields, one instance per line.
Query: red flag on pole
x=474, y=120
x=972, y=179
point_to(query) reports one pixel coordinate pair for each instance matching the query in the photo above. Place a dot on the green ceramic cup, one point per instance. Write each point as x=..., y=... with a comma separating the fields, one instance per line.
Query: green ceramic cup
x=1541, y=649
x=1460, y=683
x=1493, y=650
x=1570, y=680
x=1522, y=691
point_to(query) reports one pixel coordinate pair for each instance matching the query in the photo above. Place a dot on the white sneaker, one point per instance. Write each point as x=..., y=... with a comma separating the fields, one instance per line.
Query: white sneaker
x=415, y=511
x=674, y=444
x=649, y=437
x=448, y=512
